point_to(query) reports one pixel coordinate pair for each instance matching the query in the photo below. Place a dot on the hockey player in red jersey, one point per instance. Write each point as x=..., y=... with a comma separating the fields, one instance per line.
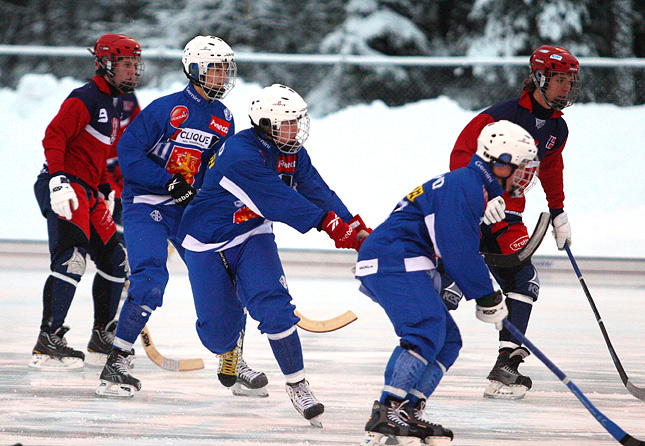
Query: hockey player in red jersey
x=552, y=85
x=74, y=196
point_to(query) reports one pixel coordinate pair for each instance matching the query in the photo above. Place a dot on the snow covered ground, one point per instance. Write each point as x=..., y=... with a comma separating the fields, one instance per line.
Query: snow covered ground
x=372, y=155
x=344, y=368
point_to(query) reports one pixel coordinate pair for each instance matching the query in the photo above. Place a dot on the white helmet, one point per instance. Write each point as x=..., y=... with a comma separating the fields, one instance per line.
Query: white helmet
x=210, y=63
x=506, y=143
x=276, y=106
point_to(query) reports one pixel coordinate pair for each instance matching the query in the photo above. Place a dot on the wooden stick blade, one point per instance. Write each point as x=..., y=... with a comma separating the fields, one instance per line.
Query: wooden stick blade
x=328, y=325
x=174, y=365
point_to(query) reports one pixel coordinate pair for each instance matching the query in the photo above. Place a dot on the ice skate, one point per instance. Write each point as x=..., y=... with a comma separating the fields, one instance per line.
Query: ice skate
x=100, y=344
x=52, y=353
x=430, y=433
x=229, y=364
x=305, y=402
x=506, y=382
x=116, y=380
x=250, y=382
x=389, y=425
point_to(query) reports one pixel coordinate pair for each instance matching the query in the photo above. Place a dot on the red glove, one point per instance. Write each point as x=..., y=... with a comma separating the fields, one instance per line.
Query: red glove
x=339, y=231
x=359, y=226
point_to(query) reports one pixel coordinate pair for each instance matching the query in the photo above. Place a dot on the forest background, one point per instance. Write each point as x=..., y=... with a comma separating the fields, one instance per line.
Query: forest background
x=441, y=28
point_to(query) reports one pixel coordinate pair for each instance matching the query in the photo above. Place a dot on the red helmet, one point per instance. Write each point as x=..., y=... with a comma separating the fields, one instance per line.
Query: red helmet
x=547, y=60
x=550, y=58
x=110, y=48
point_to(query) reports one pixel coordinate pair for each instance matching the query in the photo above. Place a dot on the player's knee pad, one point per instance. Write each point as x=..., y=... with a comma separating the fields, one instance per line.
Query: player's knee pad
x=112, y=261
x=69, y=264
x=527, y=282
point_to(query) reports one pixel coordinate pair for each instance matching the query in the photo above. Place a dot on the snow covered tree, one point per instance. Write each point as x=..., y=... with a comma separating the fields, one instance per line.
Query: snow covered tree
x=371, y=27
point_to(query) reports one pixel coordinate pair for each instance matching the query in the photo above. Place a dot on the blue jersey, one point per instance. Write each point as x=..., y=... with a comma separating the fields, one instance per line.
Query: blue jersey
x=177, y=133
x=440, y=218
x=250, y=184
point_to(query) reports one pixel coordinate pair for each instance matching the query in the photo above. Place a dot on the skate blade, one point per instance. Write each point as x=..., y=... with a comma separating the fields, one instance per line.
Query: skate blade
x=112, y=390
x=50, y=363
x=376, y=439
x=500, y=391
x=315, y=422
x=240, y=390
x=436, y=441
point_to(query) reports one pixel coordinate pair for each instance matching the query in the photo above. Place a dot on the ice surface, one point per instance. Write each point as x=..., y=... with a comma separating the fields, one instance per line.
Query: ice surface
x=344, y=369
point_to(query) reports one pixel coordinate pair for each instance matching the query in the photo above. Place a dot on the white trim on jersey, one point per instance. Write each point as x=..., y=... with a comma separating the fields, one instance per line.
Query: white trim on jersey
x=192, y=244
x=107, y=140
x=429, y=220
x=153, y=199
x=240, y=194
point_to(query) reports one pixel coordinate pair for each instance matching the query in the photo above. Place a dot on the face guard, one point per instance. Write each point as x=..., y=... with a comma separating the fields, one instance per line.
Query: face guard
x=281, y=114
x=555, y=73
x=117, y=54
x=209, y=62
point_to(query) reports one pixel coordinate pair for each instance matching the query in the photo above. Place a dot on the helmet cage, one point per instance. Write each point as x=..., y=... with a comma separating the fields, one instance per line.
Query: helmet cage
x=546, y=63
x=277, y=106
x=112, y=49
x=524, y=177
x=284, y=143
x=209, y=63
x=215, y=78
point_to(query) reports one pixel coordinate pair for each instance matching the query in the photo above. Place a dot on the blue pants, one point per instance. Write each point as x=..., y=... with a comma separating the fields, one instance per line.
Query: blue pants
x=417, y=313
x=147, y=229
x=261, y=288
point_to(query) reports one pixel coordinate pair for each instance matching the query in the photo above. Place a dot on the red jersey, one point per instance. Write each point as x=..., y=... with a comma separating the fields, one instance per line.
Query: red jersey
x=81, y=136
x=550, y=136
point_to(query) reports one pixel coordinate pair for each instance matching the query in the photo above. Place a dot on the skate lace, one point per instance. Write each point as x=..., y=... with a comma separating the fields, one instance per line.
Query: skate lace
x=247, y=373
x=123, y=364
x=303, y=396
x=107, y=336
x=419, y=414
x=229, y=363
x=397, y=414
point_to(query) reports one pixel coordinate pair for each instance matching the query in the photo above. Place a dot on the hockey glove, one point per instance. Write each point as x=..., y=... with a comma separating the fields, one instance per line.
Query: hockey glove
x=62, y=196
x=180, y=191
x=492, y=309
x=494, y=212
x=561, y=230
x=359, y=227
x=340, y=232
x=108, y=195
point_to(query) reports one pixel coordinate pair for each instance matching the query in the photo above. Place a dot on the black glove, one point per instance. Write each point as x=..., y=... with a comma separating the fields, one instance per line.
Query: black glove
x=180, y=191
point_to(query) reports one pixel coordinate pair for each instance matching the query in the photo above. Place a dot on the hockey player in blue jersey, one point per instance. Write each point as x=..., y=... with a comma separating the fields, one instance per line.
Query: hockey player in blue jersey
x=260, y=175
x=163, y=156
x=437, y=221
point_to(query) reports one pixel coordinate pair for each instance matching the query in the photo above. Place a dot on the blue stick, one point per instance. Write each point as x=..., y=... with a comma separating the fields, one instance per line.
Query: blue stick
x=615, y=430
x=636, y=391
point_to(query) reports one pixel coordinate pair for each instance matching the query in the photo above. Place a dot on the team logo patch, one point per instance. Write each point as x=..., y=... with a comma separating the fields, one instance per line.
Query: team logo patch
x=156, y=215
x=283, y=282
x=194, y=137
x=244, y=214
x=287, y=164
x=184, y=161
x=178, y=116
x=219, y=126
x=551, y=142
x=128, y=106
x=227, y=114
x=415, y=193
x=519, y=243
